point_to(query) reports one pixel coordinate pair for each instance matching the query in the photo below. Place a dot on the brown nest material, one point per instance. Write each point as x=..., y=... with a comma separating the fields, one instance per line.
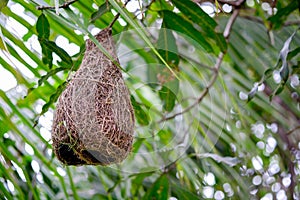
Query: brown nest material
x=94, y=121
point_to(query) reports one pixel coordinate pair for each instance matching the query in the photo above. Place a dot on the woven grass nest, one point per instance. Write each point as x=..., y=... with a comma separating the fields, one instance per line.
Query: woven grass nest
x=94, y=121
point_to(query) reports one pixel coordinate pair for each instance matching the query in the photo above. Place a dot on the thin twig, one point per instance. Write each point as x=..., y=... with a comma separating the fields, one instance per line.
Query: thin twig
x=260, y=21
x=118, y=15
x=294, y=129
x=216, y=69
x=204, y=93
x=190, y=59
x=291, y=23
x=64, y=5
x=229, y=24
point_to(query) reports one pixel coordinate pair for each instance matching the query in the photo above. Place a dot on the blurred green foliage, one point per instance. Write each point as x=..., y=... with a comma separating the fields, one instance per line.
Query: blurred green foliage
x=200, y=133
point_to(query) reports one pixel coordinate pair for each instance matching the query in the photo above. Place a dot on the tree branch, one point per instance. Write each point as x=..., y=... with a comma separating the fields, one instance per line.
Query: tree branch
x=64, y=5
x=216, y=68
x=260, y=21
x=204, y=93
x=229, y=24
x=190, y=59
x=293, y=130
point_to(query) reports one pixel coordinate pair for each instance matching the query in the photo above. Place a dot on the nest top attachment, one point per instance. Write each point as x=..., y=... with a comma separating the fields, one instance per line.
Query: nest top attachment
x=94, y=122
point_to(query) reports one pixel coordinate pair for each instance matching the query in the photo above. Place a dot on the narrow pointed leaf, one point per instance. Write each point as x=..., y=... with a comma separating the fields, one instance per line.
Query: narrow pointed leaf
x=43, y=30
x=105, y=7
x=47, y=55
x=282, y=14
x=3, y=4
x=293, y=53
x=159, y=189
x=141, y=31
x=182, y=192
x=43, y=27
x=50, y=73
x=141, y=115
x=51, y=46
x=277, y=91
x=53, y=98
x=166, y=45
x=192, y=11
x=168, y=97
x=195, y=14
x=174, y=21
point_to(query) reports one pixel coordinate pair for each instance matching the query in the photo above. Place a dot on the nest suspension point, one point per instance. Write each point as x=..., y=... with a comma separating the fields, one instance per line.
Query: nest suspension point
x=94, y=121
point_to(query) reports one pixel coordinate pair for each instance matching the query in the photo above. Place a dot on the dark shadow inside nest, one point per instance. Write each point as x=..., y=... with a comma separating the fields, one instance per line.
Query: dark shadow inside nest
x=69, y=157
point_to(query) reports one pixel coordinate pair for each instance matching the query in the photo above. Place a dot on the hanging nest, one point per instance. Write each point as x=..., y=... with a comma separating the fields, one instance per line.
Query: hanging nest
x=94, y=121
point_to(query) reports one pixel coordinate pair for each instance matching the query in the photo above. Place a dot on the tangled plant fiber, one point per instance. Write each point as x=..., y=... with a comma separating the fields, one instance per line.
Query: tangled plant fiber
x=94, y=121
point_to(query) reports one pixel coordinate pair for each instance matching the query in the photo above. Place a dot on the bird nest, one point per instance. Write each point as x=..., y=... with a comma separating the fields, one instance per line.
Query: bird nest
x=94, y=121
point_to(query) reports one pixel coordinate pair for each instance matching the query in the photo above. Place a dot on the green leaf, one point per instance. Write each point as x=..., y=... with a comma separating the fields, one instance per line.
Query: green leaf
x=268, y=73
x=296, y=68
x=277, y=91
x=52, y=47
x=43, y=30
x=196, y=15
x=167, y=48
x=279, y=18
x=137, y=182
x=193, y=12
x=137, y=144
x=168, y=97
x=165, y=135
x=221, y=42
x=161, y=5
x=141, y=115
x=3, y=128
x=140, y=30
x=49, y=182
x=182, y=193
x=34, y=94
x=159, y=189
x=47, y=55
x=105, y=7
x=48, y=47
x=9, y=142
x=53, y=98
x=50, y=73
x=293, y=53
x=284, y=69
x=43, y=27
x=175, y=22
x=3, y=4
x=16, y=73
